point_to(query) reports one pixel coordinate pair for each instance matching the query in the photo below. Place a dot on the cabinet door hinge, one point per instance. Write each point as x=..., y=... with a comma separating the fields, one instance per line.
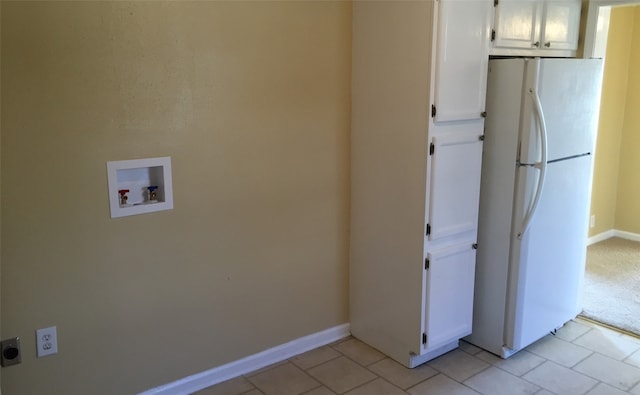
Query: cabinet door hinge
x=483, y=114
x=432, y=149
x=474, y=246
x=424, y=338
x=426, y=263
x=428, y=229
x=481, y=137
x=493, y=35
x=433, y=111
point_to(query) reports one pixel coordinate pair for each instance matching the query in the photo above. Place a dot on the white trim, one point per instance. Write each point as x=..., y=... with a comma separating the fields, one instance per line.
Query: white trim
x=627, y=235
x=253, y=362
x=600, y=237
x=592, y=22
x=613, y=233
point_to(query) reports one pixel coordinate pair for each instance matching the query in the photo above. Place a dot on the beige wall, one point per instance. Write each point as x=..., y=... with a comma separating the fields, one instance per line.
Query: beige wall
x=612, y=115
x=628, y=199
x=252, y=102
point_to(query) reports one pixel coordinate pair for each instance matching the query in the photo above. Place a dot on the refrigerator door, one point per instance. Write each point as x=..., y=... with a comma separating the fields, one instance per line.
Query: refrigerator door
x=547, y=264
x=498, y=182
x=569, y=94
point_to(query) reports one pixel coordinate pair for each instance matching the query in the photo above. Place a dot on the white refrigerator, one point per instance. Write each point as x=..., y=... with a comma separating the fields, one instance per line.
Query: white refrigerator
x=535, y=193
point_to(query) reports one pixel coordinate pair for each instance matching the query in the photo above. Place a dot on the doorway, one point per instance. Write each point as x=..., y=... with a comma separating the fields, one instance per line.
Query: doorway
x=613, y=257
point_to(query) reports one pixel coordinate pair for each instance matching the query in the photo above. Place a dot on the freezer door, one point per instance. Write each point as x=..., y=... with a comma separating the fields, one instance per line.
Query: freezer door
x=569, y=96
x=547, y=264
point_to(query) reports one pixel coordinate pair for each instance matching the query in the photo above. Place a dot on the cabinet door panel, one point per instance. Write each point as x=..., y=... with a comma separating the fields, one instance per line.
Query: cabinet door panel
x=517, y=23
x=462, y=59
x=450, y=281
x=455, y=184
x=560, y=24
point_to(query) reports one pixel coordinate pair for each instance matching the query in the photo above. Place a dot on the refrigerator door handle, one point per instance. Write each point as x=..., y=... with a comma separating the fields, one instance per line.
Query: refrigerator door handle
x=541, y=166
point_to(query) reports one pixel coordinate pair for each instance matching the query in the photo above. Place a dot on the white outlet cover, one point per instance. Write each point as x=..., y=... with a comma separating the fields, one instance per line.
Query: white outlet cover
x=46, y=341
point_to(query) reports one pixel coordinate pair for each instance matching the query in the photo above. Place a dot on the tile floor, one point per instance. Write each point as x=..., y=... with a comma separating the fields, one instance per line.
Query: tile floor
x=582, y=358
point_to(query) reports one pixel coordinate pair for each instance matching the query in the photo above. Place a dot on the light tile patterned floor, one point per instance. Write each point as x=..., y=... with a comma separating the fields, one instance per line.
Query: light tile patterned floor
x=582, y=358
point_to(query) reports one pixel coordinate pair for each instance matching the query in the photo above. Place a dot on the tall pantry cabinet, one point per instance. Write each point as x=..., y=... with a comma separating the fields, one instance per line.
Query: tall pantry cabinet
x=418, y=89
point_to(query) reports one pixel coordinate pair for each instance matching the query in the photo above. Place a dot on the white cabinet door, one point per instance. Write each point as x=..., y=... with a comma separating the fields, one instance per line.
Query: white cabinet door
x=536, y=27
x=462, y=54
x=456, y=162
x=561, y=24
x=517, y=24
x=450, y=281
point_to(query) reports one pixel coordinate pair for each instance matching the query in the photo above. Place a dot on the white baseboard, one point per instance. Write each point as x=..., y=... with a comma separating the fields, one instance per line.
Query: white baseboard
x=601, y=237
x=253, y=362
x=613, y=233
x=627, y=235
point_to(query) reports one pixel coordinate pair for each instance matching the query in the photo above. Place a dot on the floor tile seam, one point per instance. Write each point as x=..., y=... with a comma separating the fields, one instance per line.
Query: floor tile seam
x=529, y=370
x=432, y=377
x=449, y=377
x=477, y=351
x=263, y=369
x=347, y=357
x=363, y=365
x=582, y=335
x=249, y=390
x=630, y=364
x=316, y=387
x=473, y=355
x=575, y=371
x=383, y=356
x=613, y=385
x=591, y=352
x=374, y=379
x=331, y=360
x=477, y=373
x=357, y=386
x=376, y=373
x=601, y=353
x=340, y=341
x=507, y=372
x=318, y=364
x=618, y=360
x=462, y=382
x=321, y=386
x=395, y=385
x=595, y=385
x=279, y=364
x=520, y=376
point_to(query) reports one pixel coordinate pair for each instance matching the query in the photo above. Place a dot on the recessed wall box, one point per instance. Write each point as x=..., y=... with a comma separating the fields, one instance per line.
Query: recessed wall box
x=139, y=186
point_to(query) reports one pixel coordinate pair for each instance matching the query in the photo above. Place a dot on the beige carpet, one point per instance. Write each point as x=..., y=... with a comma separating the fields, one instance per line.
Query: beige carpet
x=612, y=284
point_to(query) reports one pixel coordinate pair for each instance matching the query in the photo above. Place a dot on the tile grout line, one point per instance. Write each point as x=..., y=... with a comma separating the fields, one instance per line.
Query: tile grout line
x=592, y=351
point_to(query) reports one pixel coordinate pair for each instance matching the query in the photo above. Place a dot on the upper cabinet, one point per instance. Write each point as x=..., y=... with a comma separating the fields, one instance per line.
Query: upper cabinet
x=515, y=24
x=461, y=60
x=536, y=28
x=560, y=25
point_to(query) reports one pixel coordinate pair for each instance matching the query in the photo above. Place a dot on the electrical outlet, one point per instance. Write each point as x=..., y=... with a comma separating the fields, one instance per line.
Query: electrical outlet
x=10, y=352
x=46, y=341
x=592, y=222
